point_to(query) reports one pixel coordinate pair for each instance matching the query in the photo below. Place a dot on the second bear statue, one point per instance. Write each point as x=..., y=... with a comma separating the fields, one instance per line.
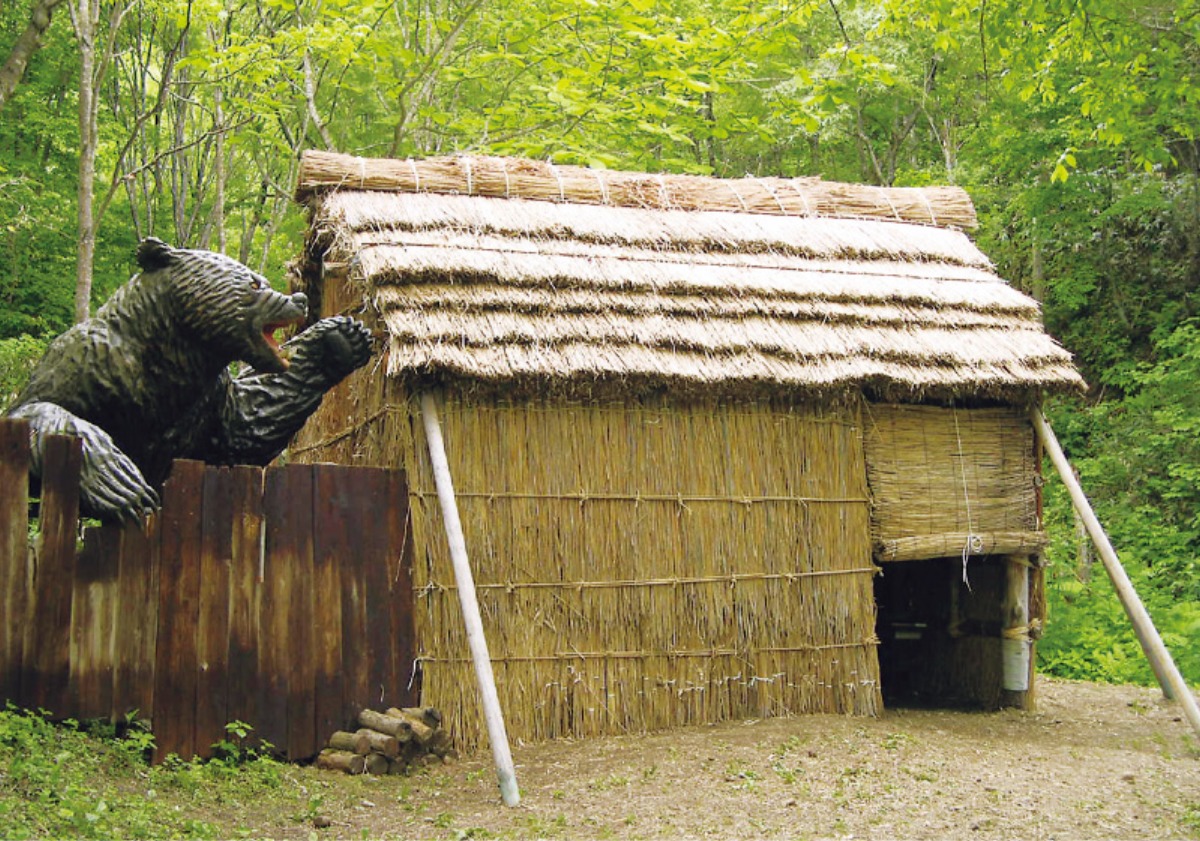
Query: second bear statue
x=147, y=379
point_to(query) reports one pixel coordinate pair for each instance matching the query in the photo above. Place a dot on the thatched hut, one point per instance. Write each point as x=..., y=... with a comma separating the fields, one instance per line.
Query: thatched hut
x=722, y=448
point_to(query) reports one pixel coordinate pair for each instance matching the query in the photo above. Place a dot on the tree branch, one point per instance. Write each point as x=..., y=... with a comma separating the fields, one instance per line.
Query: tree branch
x=26, y=45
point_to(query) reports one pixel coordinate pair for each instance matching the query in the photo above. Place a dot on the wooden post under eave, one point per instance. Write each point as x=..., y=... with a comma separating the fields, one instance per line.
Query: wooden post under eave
x=470, y=605
x=1172, y=682
x=1015, y=643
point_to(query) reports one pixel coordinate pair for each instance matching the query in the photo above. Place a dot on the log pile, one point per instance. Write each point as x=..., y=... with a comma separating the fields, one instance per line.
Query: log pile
x=389, y=742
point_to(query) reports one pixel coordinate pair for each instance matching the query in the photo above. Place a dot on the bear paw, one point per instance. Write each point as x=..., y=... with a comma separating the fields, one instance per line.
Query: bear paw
x=113, y=489
x=334, y=347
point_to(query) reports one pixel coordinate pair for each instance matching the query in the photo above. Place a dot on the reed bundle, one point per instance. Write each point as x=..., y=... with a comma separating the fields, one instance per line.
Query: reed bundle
x=945, y=481
x=477, y=175
x=641, y=566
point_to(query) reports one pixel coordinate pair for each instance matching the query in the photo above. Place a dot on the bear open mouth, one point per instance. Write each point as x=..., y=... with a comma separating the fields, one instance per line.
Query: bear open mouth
x=268, y=334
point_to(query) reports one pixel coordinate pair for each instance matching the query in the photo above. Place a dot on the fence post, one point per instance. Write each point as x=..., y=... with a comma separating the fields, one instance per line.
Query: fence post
x=14, y=555
x=46, y=675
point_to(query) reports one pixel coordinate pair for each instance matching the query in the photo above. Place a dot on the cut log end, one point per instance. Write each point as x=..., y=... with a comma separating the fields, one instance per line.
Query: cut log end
x=331, y=759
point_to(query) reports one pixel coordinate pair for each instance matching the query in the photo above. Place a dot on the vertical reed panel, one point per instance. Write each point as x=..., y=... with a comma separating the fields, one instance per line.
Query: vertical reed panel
x=45, y=680
x=648, y=565
x=16, y=562
x=176, y=658
x=935, y=471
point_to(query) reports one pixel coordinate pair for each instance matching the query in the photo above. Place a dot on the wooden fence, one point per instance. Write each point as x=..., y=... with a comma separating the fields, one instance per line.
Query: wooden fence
x=280, y=597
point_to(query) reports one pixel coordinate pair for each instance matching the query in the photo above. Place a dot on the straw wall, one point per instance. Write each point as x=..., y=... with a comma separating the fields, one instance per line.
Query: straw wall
x=640, y=566
x=945, y=480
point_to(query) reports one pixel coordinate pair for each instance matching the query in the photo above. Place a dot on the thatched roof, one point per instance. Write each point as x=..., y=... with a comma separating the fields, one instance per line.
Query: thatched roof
x=517, y=178
x=582, y=296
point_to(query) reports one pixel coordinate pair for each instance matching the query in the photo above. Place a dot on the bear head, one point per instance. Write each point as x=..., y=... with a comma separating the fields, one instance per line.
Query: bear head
x=223, y=305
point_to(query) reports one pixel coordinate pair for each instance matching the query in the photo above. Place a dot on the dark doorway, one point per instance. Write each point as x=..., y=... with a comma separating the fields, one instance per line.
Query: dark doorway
x=939, y=637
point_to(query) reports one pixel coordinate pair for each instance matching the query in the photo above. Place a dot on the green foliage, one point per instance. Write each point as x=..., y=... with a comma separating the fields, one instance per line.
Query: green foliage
x=66, y=780
x=235, y=749
x=48, y=778
x=1136, y=466
x=1114, y=258
x=18, y=355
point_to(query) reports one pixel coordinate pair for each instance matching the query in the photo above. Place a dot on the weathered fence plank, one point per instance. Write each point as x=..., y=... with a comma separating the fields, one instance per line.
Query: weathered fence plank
x=330, y=548
x=373, y=489
x=355, y=619
x=48, y=624
x=212, y=632
x=295, y=548
x=94, y=606
x=176, y=661
x=245, y=577
x=400, y=591
x=275, y=593
x=14, y=553
x=136, y=641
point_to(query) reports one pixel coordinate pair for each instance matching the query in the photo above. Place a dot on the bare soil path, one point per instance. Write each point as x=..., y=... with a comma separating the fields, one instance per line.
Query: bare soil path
x=1093, y=762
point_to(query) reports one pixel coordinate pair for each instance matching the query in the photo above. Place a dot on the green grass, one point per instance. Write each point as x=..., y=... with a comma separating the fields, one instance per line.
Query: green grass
x=67, y=780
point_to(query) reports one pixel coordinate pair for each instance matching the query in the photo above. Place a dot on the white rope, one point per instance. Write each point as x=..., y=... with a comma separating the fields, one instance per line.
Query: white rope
x=738, y=196
x=562, y=193
x=665, y=197
x=362, y=173
x=974, y=542
x=929, y=207
x=467, y=166
x=883, y=193
x=507, y=185
x=808, y=211
x=416, y=175
x=772, y=194
x=603, y=187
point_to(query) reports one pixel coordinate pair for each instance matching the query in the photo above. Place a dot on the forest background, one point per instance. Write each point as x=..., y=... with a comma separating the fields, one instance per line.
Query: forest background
x=1072, y=124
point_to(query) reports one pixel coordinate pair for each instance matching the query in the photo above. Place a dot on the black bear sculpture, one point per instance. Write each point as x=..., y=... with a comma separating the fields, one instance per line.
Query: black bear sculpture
x=147, y=379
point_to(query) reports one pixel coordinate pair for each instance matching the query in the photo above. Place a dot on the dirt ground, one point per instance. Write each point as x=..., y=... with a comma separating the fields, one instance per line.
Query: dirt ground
x=1093, y=762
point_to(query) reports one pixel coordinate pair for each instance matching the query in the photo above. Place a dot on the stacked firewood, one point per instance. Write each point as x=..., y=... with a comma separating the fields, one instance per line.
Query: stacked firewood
x=389, y=742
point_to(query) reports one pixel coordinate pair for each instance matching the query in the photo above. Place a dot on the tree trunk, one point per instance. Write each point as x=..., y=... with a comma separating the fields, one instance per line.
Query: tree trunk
x=85, y=19
x=220, y=175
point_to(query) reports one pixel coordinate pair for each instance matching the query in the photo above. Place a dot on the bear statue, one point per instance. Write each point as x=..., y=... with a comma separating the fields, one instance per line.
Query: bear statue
x=147, y=379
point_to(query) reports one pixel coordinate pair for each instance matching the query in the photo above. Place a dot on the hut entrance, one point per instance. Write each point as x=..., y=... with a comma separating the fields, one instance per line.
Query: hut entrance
x=947, y=481
x=939, y=639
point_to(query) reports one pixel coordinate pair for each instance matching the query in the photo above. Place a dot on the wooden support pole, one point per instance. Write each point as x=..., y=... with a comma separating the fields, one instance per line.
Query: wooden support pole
x=1169, y=678
x=1015, y=643
x=470, y=605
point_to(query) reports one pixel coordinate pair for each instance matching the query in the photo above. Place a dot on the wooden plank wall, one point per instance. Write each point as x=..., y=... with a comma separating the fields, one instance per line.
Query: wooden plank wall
x=281, y=598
